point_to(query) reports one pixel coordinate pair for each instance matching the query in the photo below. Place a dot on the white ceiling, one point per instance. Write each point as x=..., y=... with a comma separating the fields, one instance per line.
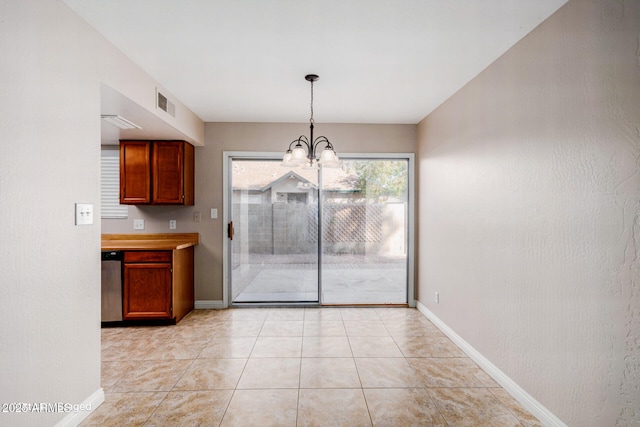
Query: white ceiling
x=379, y=61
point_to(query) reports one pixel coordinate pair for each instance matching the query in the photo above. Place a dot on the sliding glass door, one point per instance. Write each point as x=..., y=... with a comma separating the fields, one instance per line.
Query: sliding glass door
x=364, y=232
x=274, y=247
x=332, y=236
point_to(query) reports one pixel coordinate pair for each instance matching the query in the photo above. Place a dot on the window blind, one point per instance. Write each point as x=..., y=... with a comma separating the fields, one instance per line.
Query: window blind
x=110, y=185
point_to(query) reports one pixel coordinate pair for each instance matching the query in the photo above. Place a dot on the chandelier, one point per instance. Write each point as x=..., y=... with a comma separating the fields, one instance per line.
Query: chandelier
x=305, y=150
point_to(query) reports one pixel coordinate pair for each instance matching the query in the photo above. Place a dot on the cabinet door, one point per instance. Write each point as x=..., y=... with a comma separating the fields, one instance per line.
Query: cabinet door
x=147, y=291
x=135, y=172
x=168, y=172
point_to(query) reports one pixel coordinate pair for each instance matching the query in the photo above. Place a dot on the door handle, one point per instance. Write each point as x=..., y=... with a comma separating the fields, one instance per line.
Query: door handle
x=230, y=230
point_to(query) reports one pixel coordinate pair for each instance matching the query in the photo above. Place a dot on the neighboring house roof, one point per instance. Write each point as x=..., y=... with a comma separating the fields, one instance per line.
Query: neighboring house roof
x=262, y=175
x=289, y=175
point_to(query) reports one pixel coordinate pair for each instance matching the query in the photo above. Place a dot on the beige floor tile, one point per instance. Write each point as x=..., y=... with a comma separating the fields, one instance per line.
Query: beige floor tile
x=374, y=347
x=407, y=321
x=332, y=407
x=124, y=409
x=386, y=372
x=111, y=372
x=326, y=347
x=406, y=407
x=324, y=328
x=149, y=332
x=228, y=347
x=105, y=345
x=450, y=372
x=111, y=335
x=177, y=348
x=240, y=328
x=270, y=373
x=350, y=313
x=277, y=347
x=525, y=417
x=152, y=375
x=196, y=332
x=249, y=314
x=322, y=314
x=365, y=328
x=191, y=408
x=127, y=350
x=205, y=315
x=472, y=407
x=262, y=408
x=329, y=373
x=388, y=313
x=282, y=328
x=315, y=361
x=211, y=374
x=412, y=327
x=285, y=314
x=428, y=346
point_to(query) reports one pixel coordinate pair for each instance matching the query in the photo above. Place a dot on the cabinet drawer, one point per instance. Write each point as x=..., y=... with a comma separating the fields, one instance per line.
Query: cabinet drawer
x=147, y=256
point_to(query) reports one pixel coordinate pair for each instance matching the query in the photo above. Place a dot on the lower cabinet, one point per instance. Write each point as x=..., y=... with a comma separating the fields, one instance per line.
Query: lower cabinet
x=157, y=284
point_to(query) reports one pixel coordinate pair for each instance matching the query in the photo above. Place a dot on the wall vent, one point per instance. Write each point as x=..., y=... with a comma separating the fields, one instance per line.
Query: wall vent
x=165, y=105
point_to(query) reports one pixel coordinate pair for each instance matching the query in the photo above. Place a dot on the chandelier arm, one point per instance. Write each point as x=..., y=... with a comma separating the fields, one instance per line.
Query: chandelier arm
x=321, y=139
x=302, y=139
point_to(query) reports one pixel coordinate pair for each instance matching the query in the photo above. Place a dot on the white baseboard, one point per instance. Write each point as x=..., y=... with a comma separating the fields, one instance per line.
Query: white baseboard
x=208, y=304
x=545, y=416
x=74, y=418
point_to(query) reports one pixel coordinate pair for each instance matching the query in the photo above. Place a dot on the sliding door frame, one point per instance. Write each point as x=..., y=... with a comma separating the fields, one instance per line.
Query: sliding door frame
x=228, y=156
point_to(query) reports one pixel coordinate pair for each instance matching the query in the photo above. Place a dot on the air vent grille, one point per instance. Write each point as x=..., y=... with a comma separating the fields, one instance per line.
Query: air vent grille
x=165, y=105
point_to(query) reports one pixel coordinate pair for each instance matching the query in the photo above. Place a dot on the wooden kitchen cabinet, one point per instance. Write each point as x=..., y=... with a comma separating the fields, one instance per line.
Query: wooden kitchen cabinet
x=158, y=284
x=135, y=172
x=157, y=172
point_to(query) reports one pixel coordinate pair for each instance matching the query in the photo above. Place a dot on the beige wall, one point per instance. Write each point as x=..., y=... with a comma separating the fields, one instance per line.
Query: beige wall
x=529, y=213
x=52, y=66
x=256, y=137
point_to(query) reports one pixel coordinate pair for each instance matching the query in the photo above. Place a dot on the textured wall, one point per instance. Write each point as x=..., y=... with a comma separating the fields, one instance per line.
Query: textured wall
x=530, y=213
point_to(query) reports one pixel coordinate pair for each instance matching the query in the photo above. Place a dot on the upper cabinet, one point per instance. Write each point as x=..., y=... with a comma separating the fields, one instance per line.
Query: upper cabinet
x=135, y=172
x=156, y=173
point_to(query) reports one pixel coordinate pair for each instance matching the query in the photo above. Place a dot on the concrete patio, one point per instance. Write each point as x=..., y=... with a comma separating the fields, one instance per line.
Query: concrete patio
x=346, y=279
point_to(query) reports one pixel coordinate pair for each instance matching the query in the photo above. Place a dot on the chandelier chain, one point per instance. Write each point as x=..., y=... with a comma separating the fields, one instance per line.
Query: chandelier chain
x=311, y=119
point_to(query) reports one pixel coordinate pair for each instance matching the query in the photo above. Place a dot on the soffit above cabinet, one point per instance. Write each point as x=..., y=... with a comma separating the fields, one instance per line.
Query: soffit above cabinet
x=152, y=127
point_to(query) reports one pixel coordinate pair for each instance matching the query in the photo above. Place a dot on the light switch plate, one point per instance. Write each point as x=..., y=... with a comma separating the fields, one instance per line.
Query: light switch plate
x=138, y=224
x=84, y=214
x=197, y=217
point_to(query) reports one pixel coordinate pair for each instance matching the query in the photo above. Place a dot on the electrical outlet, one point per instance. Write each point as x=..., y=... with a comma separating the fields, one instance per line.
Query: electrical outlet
x=214, y=213
x=172, y=224
x=437, y=297
x=197, y=217
x=138, y=224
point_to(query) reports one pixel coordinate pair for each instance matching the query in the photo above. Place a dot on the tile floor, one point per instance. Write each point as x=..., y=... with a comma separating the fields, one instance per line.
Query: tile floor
x=296, y=367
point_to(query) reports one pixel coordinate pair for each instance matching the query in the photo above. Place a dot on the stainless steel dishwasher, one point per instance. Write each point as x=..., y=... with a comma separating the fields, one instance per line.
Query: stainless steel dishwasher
x=111, y=286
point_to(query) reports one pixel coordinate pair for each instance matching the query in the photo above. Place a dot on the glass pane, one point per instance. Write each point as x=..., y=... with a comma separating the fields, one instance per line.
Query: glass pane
x=274, y=251
x=364, y=232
